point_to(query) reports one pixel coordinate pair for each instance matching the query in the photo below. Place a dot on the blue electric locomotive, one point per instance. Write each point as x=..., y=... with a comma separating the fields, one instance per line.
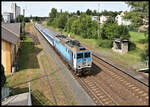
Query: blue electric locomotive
x=78, y=57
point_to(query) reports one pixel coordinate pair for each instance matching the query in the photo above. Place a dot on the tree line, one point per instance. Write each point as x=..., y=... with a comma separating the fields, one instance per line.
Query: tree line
x=82, y=24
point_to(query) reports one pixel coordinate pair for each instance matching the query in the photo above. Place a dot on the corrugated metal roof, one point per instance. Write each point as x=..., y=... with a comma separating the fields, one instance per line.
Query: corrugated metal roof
x=11, y=32
x=117, y=40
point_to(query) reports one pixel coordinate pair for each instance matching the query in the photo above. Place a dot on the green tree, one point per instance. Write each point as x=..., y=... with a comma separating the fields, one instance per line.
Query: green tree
x=83, y=25
x=78, y=13
x=3, y=77
x=75, y=27
x=94, y=13
x=93, y=30
x=19, y=18
x=52, y=14
x=26, y=19
x=62, y=20
x=110, y=31
x=69, y=23
x=88, y=12
x=139, y=11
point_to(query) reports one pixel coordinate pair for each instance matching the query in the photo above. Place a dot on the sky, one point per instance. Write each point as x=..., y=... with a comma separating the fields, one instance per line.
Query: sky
x=42, y=9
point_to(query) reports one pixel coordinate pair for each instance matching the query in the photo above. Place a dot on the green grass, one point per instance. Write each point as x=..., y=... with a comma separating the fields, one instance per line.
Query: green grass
x=92, y=42
x=136, y=36
x=27, y=48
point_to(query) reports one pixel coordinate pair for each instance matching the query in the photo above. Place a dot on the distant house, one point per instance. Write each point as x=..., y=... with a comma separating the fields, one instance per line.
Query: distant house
x=8, y=17
x=119, y=19
x=10, y=39
x=95, y=18
x=103, y=19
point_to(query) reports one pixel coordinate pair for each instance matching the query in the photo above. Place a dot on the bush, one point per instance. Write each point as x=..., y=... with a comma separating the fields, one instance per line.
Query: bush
x=132, y=46
x=106, y=43
x=22, y=36
x=143, y=41
x=145, y=54
x=3, y=77
x=110, y=31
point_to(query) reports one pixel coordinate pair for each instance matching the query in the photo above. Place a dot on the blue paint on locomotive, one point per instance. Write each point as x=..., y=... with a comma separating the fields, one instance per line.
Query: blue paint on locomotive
x=64, y=51
x=67, y=54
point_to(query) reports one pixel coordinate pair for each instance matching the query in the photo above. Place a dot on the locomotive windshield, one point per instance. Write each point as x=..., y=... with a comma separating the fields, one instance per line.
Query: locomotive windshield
x=79, y=55
x=87, y=54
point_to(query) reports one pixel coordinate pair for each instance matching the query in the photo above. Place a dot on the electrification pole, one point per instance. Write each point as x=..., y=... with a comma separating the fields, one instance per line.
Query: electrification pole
x=98, y=20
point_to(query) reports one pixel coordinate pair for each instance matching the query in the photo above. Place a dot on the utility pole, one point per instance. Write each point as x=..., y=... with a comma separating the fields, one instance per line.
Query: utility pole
x=98, y=20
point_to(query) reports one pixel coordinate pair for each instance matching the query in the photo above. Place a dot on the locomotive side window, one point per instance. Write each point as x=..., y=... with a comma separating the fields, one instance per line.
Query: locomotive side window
x=87, y=54
x=80, y=55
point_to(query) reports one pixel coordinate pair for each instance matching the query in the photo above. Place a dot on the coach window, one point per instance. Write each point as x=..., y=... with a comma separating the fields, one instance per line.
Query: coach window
x=80, y=55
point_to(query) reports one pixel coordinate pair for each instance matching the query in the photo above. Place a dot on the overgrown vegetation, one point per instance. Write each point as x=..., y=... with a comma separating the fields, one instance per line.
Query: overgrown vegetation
x=106, y=43
x=139, y=16
x=145, y=54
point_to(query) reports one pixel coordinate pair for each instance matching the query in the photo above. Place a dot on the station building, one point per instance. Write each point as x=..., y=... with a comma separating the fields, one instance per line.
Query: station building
x=10, y=44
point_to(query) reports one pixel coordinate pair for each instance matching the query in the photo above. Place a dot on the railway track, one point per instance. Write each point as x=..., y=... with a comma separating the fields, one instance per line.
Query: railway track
x=99, y=95
x=135, y=88
x=121, y=70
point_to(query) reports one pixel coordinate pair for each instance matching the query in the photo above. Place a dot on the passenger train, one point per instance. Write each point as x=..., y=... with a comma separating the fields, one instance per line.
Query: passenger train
x=78, y=57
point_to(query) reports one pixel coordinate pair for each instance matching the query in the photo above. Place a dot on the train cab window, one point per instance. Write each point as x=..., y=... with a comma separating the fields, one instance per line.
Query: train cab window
x=87, y=54
x=80, y=55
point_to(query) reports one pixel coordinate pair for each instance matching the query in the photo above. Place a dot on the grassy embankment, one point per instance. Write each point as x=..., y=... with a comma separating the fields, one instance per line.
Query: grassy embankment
x=131, y=59
x=29, y=69
x=33, y=62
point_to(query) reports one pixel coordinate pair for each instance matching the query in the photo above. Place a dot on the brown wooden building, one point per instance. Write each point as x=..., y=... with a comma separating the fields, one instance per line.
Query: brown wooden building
x=10, y=40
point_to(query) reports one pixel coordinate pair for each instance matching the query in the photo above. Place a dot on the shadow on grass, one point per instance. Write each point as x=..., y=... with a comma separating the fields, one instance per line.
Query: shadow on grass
x=28, y=56
x=37, y=97
x=18, y=90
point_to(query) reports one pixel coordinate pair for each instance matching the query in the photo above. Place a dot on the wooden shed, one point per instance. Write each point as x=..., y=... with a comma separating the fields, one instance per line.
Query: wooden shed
x=120, y=46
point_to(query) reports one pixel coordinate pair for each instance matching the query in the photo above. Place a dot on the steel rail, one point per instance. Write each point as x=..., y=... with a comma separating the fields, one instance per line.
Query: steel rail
x=119, y=69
